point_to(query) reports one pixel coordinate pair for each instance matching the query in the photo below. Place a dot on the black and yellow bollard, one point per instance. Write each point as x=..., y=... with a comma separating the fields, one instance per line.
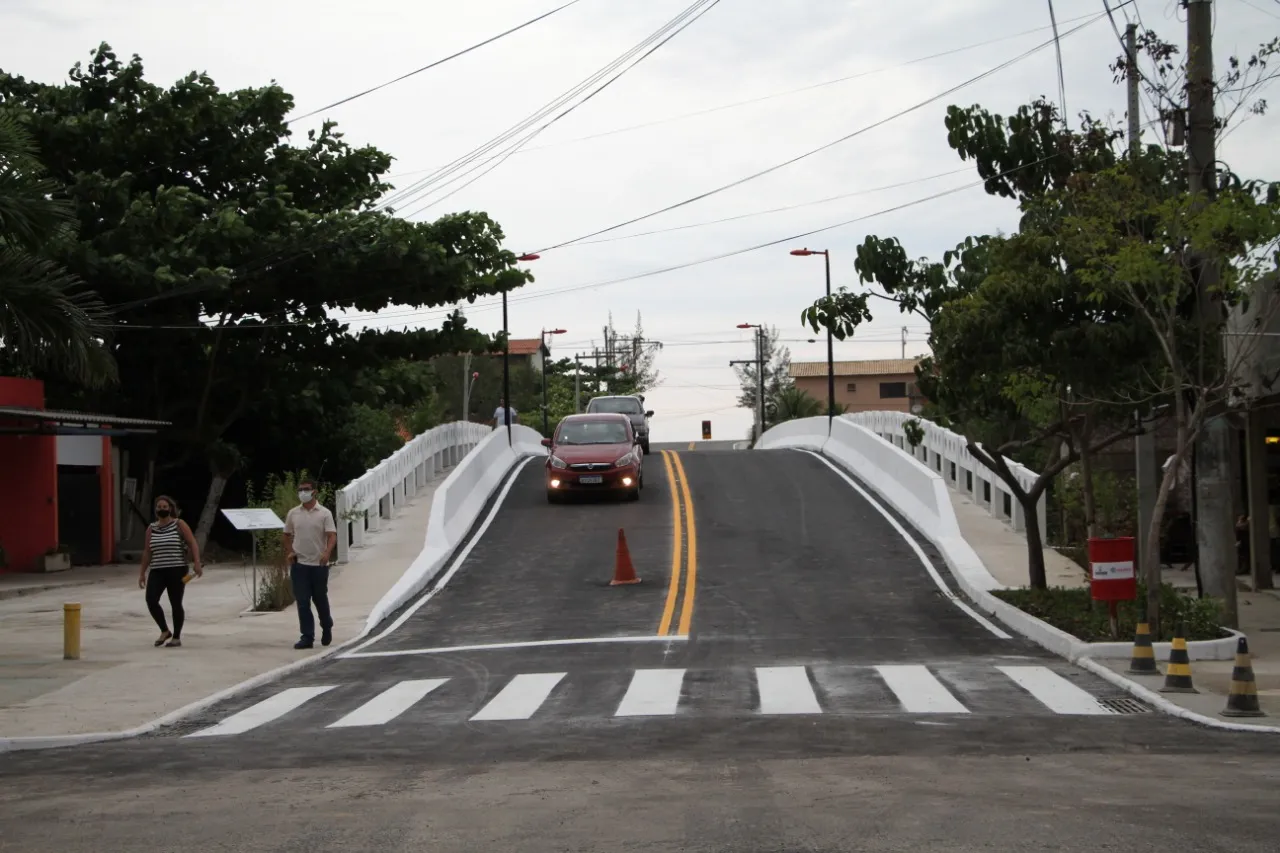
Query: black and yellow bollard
x=1242, y=700
x=1143, y=659
x=71, y=632
x=1177, y=678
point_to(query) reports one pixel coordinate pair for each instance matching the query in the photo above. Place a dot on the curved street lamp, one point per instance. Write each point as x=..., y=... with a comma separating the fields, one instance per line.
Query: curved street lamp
x=831, y=366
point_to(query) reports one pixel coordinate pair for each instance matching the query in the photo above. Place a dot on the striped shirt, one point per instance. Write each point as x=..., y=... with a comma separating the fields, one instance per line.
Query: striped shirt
x=168, y=550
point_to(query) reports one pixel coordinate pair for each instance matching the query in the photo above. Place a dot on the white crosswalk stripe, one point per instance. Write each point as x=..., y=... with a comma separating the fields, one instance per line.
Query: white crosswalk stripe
x=1057, y=694
x=389, y=704
x=521, y=698
x=969, y=689
x=263, y=712
x=786, y=690
x=652, y=693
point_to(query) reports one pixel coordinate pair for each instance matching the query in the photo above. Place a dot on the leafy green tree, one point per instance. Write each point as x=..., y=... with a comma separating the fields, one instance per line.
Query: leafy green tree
x=48, y=318
x=791, y=403
x=222, y=246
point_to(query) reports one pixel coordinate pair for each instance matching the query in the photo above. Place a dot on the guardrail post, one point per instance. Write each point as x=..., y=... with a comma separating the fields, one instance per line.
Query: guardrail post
x=343, y=525
x=357, y=528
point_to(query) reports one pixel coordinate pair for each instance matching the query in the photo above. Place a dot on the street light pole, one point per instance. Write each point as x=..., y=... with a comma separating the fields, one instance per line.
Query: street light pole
x=506, y=356
x=546, y=426
x=759, y=363
x=831, y=362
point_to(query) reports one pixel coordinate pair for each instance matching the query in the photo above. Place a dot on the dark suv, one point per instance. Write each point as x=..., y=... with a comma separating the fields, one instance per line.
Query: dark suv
x=632, y=407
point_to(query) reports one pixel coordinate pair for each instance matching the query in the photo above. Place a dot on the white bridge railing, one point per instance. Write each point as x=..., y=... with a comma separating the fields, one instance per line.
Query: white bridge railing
x=946, y=452
x=379, y=492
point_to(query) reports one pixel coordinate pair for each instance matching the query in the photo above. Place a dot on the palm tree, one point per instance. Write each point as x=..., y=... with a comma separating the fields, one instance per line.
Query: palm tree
x=791, y=403
x=48, y=320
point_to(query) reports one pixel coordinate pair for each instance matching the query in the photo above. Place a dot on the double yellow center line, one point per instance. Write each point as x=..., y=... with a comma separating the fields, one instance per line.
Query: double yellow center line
x=684, y=549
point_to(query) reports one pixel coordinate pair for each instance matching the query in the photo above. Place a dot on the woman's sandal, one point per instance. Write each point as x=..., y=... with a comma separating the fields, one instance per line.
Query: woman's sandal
x=174, y=643
x=163, y=637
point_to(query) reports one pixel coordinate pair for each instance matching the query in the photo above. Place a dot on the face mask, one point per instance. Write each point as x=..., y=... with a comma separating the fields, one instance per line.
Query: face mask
x=304, y=496
x=163, y=513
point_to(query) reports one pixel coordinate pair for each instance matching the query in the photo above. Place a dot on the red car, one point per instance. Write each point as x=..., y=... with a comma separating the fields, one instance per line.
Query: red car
x=594, y=453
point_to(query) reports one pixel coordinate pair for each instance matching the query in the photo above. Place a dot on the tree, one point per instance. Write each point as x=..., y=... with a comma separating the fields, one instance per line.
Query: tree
x=791, y=403
x=777, y=373
x=1137, y=241
x=629, y=363
x=222, y=247
x=48, y=318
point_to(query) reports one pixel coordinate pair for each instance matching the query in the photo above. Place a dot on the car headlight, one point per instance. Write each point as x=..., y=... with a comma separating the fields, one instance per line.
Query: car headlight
x=557, y=462
x=629, y=459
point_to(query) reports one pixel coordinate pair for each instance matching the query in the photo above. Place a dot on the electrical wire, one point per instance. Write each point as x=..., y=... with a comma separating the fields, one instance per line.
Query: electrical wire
x=1062, y=78
x=989, y=72
x=763, y=98
x=438, y=62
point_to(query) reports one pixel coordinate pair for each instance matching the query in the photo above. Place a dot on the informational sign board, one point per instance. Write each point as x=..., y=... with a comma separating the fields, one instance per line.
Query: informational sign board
x=253, y=519
x=706, y=430
x=1111, y=570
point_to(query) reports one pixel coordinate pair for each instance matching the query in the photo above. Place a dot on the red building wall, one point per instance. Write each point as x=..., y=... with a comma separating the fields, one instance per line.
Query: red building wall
x=28, y=483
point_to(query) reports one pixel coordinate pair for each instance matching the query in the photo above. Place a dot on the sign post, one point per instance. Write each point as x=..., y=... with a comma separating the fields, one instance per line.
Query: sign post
x=253, y=521
x=706, y=430
x=1111, y=574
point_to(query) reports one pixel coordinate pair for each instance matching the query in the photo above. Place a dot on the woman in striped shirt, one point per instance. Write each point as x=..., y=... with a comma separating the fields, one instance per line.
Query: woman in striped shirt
x=169, y=541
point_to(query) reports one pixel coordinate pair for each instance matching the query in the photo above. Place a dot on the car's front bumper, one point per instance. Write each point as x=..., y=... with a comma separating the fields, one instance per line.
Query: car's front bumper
x=613, y=479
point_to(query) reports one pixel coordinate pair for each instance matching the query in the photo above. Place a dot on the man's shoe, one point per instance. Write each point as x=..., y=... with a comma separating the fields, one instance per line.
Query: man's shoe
x=326, y=636
x=304, y=644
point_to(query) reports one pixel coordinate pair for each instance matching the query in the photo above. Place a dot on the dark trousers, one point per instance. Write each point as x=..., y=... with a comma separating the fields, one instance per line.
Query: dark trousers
x=311, y=583
x=158, y=582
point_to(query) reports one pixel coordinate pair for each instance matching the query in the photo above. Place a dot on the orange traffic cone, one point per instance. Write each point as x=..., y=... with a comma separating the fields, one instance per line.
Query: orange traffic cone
x=623, y=571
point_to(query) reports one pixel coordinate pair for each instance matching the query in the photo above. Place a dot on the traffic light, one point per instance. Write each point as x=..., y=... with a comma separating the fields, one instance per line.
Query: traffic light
x=706, y=430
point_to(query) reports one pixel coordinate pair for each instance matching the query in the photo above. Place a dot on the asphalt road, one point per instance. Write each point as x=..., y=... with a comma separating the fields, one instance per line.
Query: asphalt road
x=803, y=684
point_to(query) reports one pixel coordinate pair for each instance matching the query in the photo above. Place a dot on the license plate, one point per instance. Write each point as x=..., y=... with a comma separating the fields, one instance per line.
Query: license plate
x=591, y=480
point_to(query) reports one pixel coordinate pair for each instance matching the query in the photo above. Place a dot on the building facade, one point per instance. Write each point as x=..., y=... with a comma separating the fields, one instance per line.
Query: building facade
x=878, y=385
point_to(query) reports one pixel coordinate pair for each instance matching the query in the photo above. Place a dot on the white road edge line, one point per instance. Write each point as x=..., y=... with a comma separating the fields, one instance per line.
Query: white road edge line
x=527, y=644
x=915, y=546
x=458, y=560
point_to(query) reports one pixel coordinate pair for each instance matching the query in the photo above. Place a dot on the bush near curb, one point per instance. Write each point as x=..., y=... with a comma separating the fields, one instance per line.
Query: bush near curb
x=1072, y=610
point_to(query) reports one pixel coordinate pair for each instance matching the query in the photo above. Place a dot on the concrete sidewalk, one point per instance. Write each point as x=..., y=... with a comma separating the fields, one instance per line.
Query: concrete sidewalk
x=1004, y=553
x=123, y=681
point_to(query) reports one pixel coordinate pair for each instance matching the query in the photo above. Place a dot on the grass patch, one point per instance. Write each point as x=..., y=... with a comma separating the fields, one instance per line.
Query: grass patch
x=1072, y=610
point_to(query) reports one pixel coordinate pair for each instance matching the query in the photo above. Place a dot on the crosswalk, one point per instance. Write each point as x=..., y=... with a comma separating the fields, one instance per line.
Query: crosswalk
x=769, y=691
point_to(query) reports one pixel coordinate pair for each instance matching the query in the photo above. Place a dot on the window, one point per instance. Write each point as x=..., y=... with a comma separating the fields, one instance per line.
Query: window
x=616, y=405
x=893, y=390
x=852, y=387
x=593, y=432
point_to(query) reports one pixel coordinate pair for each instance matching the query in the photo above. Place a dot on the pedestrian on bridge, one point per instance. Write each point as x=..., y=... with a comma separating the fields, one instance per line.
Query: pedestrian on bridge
x=309, y=539
x=503, y=412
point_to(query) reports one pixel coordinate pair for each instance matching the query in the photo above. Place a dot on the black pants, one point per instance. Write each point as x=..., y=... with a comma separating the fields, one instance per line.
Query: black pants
x=311, y=583
x=158, y=581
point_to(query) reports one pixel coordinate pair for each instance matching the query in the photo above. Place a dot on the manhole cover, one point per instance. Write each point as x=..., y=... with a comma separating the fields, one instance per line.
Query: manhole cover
x=1124, y=706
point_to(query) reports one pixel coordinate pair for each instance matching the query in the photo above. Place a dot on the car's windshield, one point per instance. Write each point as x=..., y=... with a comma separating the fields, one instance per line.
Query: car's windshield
x=620, y=405
x=593, y=432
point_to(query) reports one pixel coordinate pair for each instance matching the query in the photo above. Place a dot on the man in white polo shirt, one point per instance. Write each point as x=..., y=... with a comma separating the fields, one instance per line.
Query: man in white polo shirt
x=309, y=538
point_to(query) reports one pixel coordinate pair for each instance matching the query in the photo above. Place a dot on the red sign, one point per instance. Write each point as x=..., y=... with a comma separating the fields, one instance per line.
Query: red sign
x=1111, y=571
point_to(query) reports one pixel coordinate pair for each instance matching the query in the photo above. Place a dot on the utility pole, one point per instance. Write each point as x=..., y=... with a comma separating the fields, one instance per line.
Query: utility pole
x=577, y=383
x=466, y=386
x=1216, y=551
x=760, y=373
x=904, y=343
x=1144, y=443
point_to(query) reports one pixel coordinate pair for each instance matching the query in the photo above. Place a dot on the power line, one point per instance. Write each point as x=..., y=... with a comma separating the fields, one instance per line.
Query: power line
x=762, y=98
x=438, y=62
x=1062, y=78
x=821, y=148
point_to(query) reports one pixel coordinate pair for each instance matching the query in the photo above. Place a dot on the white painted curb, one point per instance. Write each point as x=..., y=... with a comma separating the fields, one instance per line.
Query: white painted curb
x=16, y=744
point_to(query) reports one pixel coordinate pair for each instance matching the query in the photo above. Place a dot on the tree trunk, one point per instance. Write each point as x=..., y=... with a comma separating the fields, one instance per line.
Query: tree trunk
x=1086, y=490
x=1037, y=578
x=209, y=513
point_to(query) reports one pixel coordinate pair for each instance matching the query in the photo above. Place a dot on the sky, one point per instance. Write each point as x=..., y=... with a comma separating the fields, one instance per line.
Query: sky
x=562, y=185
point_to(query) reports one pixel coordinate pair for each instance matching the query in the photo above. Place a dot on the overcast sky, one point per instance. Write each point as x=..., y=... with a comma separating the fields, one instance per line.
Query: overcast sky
x=563, y=187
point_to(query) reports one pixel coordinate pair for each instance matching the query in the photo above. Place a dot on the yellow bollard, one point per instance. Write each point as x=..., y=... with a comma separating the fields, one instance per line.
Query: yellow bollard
x=71, y=632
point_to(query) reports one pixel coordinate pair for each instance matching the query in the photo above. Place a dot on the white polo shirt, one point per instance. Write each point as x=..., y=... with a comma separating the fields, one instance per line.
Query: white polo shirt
x=309, y=529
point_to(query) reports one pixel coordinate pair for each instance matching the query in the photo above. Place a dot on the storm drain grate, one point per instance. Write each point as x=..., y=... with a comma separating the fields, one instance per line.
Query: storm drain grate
x=1124, y=706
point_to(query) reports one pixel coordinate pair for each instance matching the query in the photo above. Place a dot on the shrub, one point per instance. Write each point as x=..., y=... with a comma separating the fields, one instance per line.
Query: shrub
x=1073, y=611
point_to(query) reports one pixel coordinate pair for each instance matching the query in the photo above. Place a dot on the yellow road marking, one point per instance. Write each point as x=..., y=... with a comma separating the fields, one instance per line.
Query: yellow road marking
x=677, y=548
x=691, y=576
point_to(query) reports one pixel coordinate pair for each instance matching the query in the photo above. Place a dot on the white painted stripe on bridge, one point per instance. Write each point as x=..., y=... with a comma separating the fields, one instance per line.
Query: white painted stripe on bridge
x=271, y=708
x=1053, y=691
x=527, y=644
x=389, y=704
x=786, y=690
x=652, y=693
x=919, y=691
x=521, y=698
